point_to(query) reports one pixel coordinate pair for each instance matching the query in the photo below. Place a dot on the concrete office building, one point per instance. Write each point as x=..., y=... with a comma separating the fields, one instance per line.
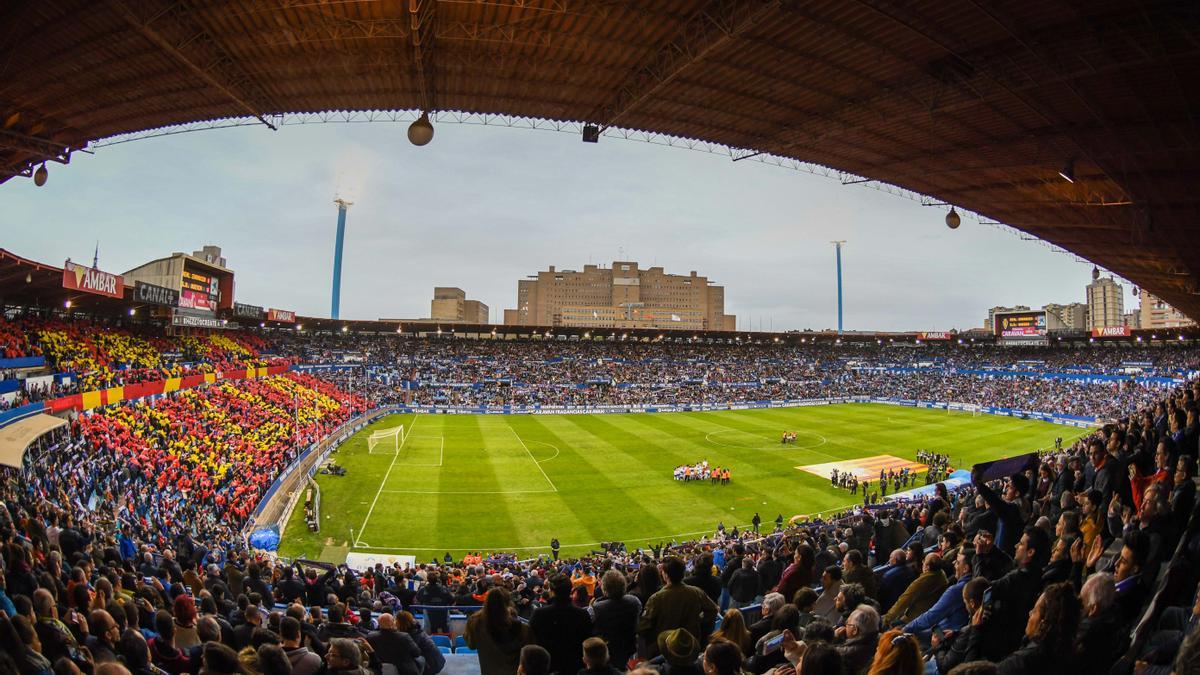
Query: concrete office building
x=1073, y=316
x=1105, y=301
x=451, y=304
x=1155, y=314
x=621, y=296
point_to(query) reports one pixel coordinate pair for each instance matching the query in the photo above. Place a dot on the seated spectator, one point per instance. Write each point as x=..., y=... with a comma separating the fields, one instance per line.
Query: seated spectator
x=921, y=594
x=897, y=654
x=858, y=639
x=595, y=658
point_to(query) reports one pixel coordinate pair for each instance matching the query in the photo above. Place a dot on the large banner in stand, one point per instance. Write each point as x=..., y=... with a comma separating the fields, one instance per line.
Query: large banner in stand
x=281, y=315
x=91, y=280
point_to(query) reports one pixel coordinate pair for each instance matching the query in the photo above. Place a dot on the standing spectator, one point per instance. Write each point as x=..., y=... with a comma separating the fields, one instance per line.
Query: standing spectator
x=743, y=583
x=615, y=618
x=676, y=606
x=304, y=661
x=497, y=635
x=561, y=627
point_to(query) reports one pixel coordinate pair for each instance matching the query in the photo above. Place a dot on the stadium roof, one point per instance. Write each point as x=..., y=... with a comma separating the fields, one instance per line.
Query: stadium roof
x=979, y=104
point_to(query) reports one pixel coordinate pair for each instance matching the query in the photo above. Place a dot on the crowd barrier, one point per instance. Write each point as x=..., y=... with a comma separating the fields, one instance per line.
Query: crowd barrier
x=23, y=362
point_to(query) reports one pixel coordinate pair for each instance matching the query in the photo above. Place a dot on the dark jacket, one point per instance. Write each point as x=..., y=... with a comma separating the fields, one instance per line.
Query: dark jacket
x=615, y=620
x=858, y=652
x=707, y=583
x=434, y=660
x=397, y=648
x=743, y=586
x=1013, y=597
x=1102, y=640
x=561, y=628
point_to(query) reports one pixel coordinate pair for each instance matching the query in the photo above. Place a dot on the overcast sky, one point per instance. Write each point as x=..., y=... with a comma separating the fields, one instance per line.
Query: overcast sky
x=481, y=207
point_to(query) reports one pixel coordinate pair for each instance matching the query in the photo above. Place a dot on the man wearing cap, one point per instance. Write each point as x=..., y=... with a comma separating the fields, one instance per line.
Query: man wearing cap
x=678, y=651
x=676, y=605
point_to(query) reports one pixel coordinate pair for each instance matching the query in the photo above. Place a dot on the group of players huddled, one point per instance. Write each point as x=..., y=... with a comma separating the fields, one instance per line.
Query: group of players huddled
x=702, y=471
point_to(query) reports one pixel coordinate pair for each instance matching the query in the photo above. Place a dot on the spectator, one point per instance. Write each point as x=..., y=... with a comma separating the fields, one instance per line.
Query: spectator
x=595, y=658
x=676, y=606
x=497, y=635
x=898, y=654
x=561, y=627
x=393, y=646
x=615, y=617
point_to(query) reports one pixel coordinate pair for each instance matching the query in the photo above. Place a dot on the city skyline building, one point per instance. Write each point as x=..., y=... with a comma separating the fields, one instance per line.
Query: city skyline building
x=621, y=296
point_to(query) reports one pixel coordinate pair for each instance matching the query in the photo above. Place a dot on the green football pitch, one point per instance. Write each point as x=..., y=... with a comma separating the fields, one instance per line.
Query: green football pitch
x=512, y=482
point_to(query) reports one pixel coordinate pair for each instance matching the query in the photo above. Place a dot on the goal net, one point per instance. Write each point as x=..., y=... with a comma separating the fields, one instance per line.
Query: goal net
x=385, y=441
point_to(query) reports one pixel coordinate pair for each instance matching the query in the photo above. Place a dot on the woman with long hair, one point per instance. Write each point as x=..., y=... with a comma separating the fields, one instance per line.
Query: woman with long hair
x=497, y=635
x=897, y=654
x=1049, y=644
x=733, y=628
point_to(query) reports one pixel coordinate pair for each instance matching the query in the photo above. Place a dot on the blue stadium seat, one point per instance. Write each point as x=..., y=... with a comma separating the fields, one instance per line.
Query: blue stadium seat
x=465, y=650
x=442, y=640
x=445, y=650
x=459, y=641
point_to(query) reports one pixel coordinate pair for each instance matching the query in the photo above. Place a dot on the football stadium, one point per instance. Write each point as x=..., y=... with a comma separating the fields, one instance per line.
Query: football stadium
x=226, y=465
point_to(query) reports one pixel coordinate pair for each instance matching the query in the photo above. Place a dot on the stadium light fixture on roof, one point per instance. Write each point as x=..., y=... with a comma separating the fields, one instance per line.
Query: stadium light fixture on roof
x=1091, y=339
x=1139, y=339
x=262, y=324
x=345, y=328
x=299, y=327
x=420, y=132
x=67, y=304
x=132, y=311
x=1153, y=337
x=40, y=176
x=28, y=278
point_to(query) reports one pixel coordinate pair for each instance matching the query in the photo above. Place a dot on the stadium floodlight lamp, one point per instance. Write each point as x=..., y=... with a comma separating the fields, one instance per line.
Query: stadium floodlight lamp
x=960, y=341
x=132, y=311
x=1091, y=339
x=345, y=329
x=299, y=327
x=420, y=132
x=224, y=322
x=29, y=278
x=262, y=324
x=67, y=304
x=1068, y=171
x=1153, y=337
x=1180, y=337
x=879, y=342
x=40, y=176
x=1139, y=338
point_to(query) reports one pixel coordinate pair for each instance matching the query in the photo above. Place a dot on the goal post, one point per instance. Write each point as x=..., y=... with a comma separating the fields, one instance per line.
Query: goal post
x=385, y=441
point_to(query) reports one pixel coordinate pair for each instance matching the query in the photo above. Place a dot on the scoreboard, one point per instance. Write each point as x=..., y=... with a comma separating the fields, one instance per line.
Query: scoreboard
x=1021, y=324
x=198, y=291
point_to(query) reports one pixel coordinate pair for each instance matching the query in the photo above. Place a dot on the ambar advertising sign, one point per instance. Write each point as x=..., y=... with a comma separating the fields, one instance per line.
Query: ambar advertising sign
x=934, y=335
x=281, y=315
x=90, y=280
x=155, y=295
x=1112, y=331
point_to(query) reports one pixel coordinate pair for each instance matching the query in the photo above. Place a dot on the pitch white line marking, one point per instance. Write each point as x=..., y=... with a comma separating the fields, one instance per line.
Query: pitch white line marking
x=557, y=451
x=383, y=482
x=535, y=462
x=468, y=492
x=768, y=445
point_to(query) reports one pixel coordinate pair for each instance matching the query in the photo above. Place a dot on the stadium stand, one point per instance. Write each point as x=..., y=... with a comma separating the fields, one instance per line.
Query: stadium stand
x=122, y=530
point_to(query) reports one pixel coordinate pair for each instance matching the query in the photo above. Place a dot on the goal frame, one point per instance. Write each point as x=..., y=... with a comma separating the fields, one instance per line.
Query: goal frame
x=380, y=437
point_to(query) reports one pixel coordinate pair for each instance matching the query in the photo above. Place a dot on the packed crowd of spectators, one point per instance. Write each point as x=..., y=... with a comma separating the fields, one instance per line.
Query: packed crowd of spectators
x=97, y=356
x=196, y=461
x=121, y=547
x=1046, y=570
